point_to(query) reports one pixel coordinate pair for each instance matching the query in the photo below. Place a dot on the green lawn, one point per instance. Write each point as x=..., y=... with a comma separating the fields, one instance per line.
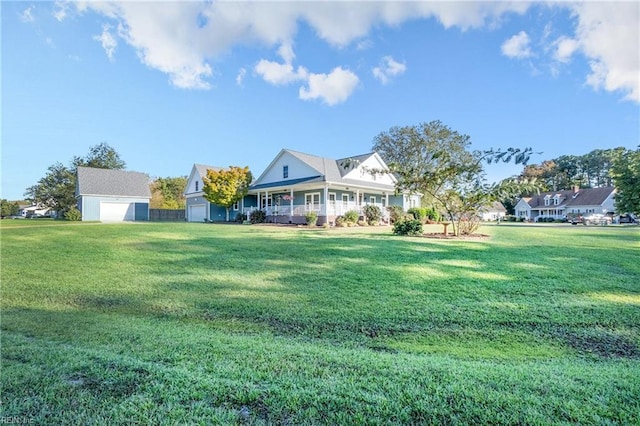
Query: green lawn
x=227, y=324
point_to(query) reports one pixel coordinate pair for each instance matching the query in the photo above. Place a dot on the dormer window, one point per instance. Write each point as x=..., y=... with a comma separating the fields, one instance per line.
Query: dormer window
x=547, y=200
x=556, y=199
x=285, y=172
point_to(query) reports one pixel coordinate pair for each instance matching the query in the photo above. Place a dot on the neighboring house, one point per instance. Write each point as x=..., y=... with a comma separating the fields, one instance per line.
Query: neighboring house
x=495, y=211
x=198, y=208
x=35, y=211
x=559, y=204
x=112, y=195
x=295, y=183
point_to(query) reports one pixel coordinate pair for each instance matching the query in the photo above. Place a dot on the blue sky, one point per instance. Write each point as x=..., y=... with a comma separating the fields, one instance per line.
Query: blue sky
x=219, y=83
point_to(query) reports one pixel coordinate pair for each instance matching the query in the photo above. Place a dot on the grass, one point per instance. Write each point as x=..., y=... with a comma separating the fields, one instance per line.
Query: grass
x=223, y=324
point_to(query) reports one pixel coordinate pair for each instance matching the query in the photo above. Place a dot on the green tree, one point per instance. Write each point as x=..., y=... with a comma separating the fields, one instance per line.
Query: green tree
x=625, y=171
x=227, y=186
x=57, y=188
x=168, y=193
x=7, y=208
x=435, y=160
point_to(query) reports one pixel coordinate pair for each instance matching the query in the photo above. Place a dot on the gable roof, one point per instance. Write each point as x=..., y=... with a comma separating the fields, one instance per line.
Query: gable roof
x=572, y=198
x=202, y=169
x=328, y=170
x=118, y=183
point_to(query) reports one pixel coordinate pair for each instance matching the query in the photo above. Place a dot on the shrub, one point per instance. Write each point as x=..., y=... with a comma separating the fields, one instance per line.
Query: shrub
x=351, y=217
x=418, y=213
x=340, y=221
x=73, y=214
x=241, y=217
x=408, y=227
x=362, y=223
x=433, y=214
x=395, y=213
x=258, y=216
x=373, y=214
x=312, y=218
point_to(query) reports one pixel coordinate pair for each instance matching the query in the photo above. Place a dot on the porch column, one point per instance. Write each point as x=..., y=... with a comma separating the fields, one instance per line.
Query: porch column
x=291, y=205
x=326, y=202
x=358, y=206
x=266, y=201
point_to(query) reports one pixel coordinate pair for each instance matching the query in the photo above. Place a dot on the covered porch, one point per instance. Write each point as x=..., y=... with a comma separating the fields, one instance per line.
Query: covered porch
x=290, y=204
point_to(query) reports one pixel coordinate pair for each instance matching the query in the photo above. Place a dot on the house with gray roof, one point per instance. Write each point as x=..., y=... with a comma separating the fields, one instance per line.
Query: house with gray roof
x=198, y=208
x=295, y=183
x=112, y=195
x=559, y=204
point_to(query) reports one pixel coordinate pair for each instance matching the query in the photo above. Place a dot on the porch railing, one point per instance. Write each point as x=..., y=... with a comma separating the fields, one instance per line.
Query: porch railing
x=337, y=209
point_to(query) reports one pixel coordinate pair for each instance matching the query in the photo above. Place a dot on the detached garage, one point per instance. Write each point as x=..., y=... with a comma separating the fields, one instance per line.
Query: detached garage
x=112, y=195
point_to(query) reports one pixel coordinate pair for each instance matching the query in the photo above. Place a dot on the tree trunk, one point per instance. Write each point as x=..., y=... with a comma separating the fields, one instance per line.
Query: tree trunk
x=227, y=209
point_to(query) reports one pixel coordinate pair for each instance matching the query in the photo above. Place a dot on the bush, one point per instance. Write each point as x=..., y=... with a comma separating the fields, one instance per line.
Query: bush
x=312, y=218
x=372, y=214
x=433, y=214
x=258, y=216
x=396, y=213
x=362, y=223
x=418, y=213
x=73, y=214
x=351, y=217
x=340, y=221
x=241, y=217
x=408, y=227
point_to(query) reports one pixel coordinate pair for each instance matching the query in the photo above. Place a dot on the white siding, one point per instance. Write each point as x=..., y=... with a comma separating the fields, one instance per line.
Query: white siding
x=297, y=169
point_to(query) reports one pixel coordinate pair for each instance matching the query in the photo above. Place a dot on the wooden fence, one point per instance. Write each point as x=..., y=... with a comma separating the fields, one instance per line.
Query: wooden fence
x=164, y=215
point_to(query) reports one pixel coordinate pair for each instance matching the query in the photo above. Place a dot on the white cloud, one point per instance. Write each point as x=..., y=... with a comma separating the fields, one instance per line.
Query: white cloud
x=181, y=38
x=108, y=41
x=60, y=9
x=332, y=88
x=27, y=15
x=240, y=77
x=564, y=49
x=279, y=74
x=609, y=36
x=517, y=46
x=387, y=69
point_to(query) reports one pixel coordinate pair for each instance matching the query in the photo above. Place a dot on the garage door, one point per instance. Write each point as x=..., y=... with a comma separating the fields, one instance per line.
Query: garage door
x=116, y=212
x=197, y=213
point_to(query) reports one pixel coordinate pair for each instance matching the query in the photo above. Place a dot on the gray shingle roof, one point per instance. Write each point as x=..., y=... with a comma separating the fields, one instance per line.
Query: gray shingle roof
x=335, y=170
x=93, y=181
x=583, y=197
x=202, y=169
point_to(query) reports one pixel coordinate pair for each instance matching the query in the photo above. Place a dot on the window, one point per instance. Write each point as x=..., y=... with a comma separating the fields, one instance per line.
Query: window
x=372, y=199
x=345, y=200
x=197, y=182
x=547, y=200
x=332, y=199
x=285, y=172
x=236, y=207
x=312, y=201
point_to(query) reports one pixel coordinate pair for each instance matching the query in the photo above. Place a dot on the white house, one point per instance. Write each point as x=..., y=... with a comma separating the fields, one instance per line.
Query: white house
x=295, y=183
x=559, y=204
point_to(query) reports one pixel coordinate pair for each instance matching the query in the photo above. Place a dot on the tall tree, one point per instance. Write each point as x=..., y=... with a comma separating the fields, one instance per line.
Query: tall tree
x=626, y=175
x=57, y=188
x=101, y=156
x=226, y=187
x=168, y=193
x=433, y=159
x=7, y=208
